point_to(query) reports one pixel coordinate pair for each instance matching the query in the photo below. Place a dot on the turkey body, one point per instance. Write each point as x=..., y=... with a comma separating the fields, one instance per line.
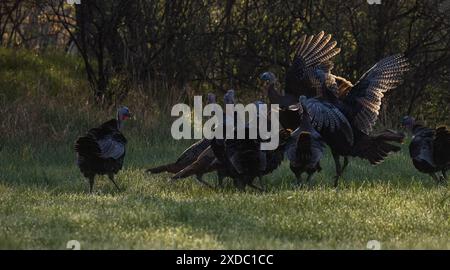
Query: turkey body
x=206, y=162
x=189, y=155
x=374, y=148
x=202, y=157
x=185, y=159
x=243, y=161
x=101, y=151
x=307, y=151
x=239, y=159
x=344, y=114
x=429, y=150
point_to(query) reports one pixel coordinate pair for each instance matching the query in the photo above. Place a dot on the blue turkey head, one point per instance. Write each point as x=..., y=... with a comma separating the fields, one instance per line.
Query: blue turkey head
x=211, y=98
x=408, y=122
x=302, y=99
x=123, y=113
x=229, y=97
x=268, y=77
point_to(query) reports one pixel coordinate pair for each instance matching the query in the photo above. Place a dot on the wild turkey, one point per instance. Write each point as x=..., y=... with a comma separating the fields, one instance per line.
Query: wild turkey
x=242, y=160
x=275, y=157
x=344, y=114
x=189, y=155
x=345, y=124
x=218, y=144
x=307, y=151
x=288, y=118
x=206, y=160
x=429, y=148
x=185, y=159
x=229, y=157
x=205, y=163
x=313, y=53
x=102, y=150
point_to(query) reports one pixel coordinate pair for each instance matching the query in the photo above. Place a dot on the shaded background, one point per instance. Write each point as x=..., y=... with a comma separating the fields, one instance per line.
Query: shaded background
x=164, y=52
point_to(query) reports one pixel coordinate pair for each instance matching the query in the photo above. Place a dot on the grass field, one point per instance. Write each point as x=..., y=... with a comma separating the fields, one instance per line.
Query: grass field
x=44, y=203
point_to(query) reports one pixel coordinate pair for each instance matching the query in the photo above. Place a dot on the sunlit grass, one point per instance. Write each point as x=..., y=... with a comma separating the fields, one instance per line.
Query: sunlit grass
x=49, y=73
x=44, y=203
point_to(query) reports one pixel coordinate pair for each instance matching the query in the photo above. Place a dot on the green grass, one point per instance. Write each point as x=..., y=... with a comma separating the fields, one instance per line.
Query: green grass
x=49, y=74
x=44, y=203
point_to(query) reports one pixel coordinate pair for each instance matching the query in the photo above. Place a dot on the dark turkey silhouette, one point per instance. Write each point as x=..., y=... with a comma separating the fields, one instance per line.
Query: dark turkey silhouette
x=218, y=145
x=344, y=114
x=189, y=155
x=206, y=160
x=313, y=53
x=275, y=157
x=243, y=160
x=102, y=150
x=429, y=149
x=307, y=151
x=205, y=163
x=227, y=156
x=345, y=123
x=185, y=159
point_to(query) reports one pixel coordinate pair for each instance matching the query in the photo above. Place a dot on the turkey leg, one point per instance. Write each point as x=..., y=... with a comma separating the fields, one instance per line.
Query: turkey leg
x=111, y=177
x=199, y=177
x=337, y=163
x=91, y=184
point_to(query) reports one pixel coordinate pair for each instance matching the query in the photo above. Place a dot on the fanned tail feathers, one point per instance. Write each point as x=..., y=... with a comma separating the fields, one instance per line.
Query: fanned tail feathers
x=376, y=148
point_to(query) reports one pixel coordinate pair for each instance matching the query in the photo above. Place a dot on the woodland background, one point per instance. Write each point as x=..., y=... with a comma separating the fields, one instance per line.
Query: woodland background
x=167, y=51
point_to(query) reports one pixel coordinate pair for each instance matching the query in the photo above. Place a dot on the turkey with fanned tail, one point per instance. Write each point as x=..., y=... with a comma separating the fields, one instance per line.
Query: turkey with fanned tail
x=314, y=53
x=344, y=114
